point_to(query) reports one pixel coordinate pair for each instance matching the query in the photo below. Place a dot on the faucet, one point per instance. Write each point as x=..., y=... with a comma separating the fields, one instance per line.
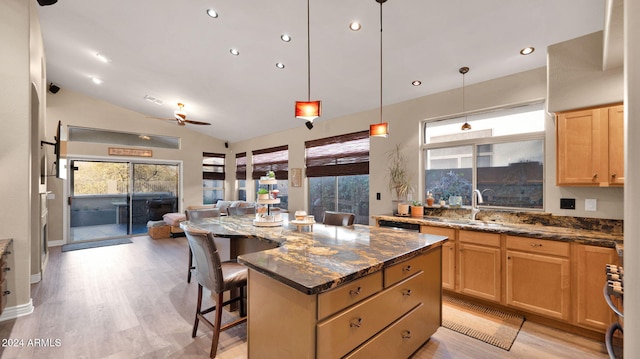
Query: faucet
x=476, y=197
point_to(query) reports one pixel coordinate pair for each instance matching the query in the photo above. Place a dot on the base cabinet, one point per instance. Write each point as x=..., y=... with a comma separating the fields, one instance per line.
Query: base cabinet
x=394, y=311
x=448, y=254
x=538, y=276
x=589, y=265
x=479, y=266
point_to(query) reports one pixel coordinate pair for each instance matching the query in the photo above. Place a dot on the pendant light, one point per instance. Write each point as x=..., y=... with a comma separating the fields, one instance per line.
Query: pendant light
x=380, y=129
x=466, y=125
x=308, y=110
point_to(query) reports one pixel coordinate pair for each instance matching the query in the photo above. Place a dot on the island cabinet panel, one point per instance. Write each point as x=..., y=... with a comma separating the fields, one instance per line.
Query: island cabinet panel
x=448, y=254
x=589, y=270
x=280, y=320
x=538, y=276
x=479, y=265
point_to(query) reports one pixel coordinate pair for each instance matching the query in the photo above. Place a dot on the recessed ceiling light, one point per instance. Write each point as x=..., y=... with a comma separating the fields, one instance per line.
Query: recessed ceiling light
x=234, y=52
x=102, y=58
x=96, y=80
x=280, y=65
x=212, y=13
x=416, y=83
x=285, y=37
x=527, y=50
x=355, y=26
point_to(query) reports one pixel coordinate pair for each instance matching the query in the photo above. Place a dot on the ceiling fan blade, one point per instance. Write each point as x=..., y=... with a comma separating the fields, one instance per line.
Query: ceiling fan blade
x=160, y=118
x=197, y=122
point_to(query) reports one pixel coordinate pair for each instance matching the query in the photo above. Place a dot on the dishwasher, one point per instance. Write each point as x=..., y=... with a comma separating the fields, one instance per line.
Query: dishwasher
x=403, y=226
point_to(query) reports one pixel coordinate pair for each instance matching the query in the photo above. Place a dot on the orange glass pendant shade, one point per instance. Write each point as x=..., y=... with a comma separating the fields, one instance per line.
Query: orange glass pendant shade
x=308, y=110
x=379, y=129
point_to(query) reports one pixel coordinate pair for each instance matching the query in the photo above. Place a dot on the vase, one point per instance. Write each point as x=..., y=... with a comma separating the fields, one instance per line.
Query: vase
x=417, y=211
x=403, y=209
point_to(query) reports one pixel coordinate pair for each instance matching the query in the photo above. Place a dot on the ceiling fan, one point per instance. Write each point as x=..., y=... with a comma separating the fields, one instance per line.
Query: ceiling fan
x=181, y=117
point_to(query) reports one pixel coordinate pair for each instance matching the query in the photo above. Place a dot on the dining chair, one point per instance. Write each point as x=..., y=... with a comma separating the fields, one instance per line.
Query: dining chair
x=218, y=277
x=338, y=218
x=195, y=214
x=240, y=211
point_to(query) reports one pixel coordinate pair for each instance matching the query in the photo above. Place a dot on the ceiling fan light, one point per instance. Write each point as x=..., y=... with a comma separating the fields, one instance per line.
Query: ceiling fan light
x=308, y=110
x=379, y=129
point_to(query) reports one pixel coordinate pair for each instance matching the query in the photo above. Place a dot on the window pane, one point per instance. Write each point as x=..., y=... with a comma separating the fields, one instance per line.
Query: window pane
x=242, y=190
x=449, y=173
x=212, y=196
x=513, y=175
x=352, y=194
x=322, y=196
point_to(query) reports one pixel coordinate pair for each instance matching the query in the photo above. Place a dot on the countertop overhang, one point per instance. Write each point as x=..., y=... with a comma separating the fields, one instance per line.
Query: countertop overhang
x=324, y=258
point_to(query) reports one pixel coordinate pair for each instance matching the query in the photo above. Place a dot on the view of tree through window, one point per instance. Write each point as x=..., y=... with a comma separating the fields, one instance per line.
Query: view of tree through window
x=502, y=156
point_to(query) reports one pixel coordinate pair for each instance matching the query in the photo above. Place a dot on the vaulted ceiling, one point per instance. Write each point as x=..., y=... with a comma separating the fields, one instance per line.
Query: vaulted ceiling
x=174, y=52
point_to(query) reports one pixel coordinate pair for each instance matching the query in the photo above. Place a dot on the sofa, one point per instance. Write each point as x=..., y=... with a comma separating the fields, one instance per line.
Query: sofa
x=173, y=219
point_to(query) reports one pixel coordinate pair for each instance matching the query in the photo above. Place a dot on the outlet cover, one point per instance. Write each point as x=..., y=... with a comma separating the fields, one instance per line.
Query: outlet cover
x=590, y=204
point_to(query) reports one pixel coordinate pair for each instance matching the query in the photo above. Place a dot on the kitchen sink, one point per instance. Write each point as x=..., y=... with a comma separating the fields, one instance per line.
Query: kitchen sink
x=470, y=222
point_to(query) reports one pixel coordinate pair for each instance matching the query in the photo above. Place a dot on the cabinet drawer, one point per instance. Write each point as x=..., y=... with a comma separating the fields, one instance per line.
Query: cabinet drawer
x=3, y=295
x=482, y=238
x=402, y=338
x=439, y=231
x=403, y=270
x=3, y=268
x=348, y=294
x=539, y=246
x=340, y=334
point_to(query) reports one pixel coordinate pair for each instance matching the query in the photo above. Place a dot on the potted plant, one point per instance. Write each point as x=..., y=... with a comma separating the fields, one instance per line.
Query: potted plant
x=399, y=181
x=263, y=193
x=417, y=209
x=271, y=174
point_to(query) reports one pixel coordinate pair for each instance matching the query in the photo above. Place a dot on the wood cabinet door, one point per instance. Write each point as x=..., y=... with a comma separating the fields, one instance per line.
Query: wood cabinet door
x=479, y=271
x=578, y=148
x=448, y=254
x=538, y=283
x=616, y=145
x=590, y=277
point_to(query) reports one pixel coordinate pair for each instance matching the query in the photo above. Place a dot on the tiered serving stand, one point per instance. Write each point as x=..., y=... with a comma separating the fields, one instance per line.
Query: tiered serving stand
x=268, y=220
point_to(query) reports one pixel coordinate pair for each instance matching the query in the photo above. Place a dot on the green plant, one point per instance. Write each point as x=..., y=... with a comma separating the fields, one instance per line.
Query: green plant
x=416, y=203
x=263, y=191
x=271, y=174
x=399, y=180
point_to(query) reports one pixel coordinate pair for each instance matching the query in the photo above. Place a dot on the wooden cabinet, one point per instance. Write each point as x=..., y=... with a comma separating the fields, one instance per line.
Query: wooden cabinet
x=590, y=147
x=5, y=267
x=538, y=276
x=394, y=311
x=448, y=254
x=589, y=262
x=479, y=265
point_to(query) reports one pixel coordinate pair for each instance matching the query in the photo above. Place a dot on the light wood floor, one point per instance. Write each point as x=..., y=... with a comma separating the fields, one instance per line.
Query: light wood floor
x=133, y=301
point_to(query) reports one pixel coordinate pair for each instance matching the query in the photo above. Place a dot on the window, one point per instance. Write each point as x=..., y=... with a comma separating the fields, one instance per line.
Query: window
x=274, y=159
x=338, y=172
x=212, y=177
x=502, y=156
x=241, y=175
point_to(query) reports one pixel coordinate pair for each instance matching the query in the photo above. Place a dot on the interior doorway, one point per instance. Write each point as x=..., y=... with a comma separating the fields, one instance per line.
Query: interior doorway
x=113, y=199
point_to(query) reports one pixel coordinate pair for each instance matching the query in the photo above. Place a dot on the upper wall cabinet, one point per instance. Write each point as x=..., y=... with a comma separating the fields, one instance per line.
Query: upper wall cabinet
x=590, y=147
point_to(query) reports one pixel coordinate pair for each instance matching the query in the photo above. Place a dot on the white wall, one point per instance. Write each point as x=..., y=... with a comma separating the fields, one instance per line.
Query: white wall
x=75, y=109
x=632, y=180
x=404, y=121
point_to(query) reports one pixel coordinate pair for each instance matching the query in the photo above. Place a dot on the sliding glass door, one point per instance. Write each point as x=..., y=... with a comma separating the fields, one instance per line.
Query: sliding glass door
x=116, y=199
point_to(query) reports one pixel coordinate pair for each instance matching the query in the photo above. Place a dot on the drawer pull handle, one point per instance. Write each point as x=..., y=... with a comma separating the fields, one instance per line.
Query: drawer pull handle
x=6, y=292
x=406, y=268
x=613, y=175
x=595, y=175
x=406, y=292
x=354, y=292
x=356, y=323
x=536, y=245
x=406, y=334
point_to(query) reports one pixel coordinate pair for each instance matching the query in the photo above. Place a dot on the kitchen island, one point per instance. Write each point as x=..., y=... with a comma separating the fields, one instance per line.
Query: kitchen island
x=338, y=291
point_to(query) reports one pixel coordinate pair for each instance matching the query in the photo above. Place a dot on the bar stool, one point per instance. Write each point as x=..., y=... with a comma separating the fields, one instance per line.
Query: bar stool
x=338, y=218
x=195, y=214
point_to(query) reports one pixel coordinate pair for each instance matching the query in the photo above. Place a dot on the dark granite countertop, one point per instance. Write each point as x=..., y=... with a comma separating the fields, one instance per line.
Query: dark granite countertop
x=558, y=233
x=328, y=256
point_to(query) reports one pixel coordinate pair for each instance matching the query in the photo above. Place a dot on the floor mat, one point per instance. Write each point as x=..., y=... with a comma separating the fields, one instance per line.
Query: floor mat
x=95, y=244
x=489, y=325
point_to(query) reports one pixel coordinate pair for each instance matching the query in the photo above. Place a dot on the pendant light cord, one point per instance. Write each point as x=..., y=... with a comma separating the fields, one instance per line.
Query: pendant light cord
x=381, y=2
x=308, y=53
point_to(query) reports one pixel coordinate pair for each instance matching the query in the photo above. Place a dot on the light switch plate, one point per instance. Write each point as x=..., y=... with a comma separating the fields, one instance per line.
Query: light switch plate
x=590, y=204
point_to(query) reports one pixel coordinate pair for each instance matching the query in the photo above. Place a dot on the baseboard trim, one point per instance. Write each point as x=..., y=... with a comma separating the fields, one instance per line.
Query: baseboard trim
x=35, y=278
x=17, y=311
